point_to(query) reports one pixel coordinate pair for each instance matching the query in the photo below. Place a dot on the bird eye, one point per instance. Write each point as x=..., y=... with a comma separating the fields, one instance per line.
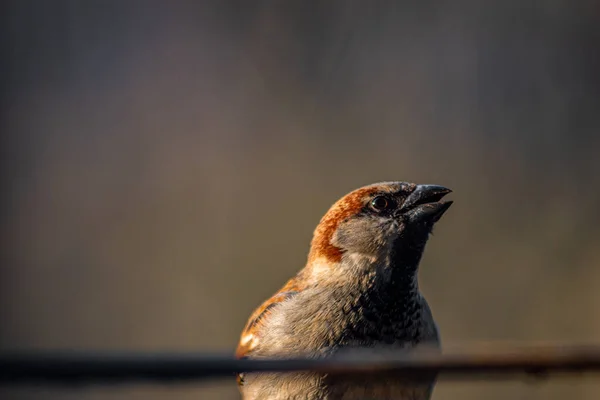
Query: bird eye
x=380, y=203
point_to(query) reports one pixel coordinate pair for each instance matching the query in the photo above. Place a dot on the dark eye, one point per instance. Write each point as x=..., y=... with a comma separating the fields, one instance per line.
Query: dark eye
x=380, y=203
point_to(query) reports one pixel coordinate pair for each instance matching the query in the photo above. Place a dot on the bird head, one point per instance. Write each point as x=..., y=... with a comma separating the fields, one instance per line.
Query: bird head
x=388, y=222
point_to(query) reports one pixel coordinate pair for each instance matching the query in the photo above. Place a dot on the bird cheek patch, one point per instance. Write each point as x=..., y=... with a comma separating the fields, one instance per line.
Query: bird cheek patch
x=362, y=235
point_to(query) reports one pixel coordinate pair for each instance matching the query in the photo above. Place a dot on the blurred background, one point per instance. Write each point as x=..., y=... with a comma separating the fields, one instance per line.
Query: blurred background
x=165, y=162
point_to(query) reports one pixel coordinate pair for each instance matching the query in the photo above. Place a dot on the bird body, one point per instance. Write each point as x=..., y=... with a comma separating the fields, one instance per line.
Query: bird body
x=359, y=290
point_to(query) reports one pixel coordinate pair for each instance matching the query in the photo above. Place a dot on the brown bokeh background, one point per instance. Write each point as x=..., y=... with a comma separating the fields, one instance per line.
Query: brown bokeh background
x=164, y=165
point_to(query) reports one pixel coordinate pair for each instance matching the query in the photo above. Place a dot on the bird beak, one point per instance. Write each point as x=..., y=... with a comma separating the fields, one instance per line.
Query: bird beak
x=424, y=204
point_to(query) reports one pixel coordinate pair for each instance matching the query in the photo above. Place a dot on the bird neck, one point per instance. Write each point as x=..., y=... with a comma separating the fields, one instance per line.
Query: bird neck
x=393, y=275
x=393, y=278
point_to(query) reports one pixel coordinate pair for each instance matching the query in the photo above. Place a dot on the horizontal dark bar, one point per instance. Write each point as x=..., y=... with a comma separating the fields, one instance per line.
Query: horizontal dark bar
x=69, y=367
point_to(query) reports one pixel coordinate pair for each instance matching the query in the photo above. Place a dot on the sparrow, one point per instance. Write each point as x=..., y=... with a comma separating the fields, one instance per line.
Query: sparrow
x=358, y=290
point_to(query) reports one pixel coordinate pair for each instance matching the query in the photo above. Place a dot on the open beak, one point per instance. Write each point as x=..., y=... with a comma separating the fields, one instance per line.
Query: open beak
x=424, y=204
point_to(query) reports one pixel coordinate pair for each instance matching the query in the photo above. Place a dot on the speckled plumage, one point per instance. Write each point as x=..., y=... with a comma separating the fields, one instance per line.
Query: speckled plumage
x=359, y=289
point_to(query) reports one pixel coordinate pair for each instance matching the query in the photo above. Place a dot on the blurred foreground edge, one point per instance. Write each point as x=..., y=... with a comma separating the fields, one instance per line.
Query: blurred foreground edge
x=488, y=361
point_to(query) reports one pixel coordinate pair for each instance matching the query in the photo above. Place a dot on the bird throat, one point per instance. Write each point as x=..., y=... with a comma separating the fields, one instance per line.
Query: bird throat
x=394, y=286
x=388, y=309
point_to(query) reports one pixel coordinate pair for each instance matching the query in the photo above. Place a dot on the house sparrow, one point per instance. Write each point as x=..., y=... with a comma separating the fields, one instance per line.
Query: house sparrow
x=358, y=290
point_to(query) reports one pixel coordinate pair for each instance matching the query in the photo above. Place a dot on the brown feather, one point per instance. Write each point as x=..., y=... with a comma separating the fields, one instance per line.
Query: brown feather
x=250, y=337
x=344, y=208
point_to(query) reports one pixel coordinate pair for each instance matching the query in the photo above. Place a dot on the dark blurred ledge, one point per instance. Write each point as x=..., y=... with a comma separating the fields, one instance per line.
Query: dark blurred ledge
x=486, y=361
